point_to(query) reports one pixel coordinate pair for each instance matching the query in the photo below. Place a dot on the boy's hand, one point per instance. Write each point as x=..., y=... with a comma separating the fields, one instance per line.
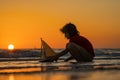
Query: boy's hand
x=50, y=59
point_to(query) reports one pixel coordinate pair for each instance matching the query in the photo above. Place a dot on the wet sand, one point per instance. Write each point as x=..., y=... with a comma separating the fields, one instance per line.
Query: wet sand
x=87, y=75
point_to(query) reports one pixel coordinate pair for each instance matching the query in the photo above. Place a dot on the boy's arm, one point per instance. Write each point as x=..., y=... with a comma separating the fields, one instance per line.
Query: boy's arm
x=58, y=55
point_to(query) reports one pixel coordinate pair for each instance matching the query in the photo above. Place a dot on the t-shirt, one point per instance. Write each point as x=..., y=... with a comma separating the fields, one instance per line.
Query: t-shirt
x=83, y=42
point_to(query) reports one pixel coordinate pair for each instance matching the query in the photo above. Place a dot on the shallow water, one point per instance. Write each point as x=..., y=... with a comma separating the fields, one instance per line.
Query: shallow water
x=30, y=70
x=36, y=66
x=104, y=67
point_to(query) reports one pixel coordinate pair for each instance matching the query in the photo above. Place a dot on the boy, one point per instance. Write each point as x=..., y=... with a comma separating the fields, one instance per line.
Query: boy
x=79, y=47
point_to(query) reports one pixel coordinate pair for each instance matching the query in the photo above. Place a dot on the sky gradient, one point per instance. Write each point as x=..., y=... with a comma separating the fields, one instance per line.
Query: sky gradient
x=24, y=22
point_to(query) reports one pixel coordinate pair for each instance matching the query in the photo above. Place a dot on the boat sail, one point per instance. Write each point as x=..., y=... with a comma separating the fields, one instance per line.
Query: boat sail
x=46, y=51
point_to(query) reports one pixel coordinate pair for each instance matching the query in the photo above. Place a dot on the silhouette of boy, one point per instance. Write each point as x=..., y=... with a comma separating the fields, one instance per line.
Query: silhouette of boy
x=79, y=47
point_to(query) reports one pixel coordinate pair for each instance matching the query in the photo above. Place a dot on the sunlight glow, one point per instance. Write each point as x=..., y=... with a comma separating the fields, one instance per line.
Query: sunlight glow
x=10, y=46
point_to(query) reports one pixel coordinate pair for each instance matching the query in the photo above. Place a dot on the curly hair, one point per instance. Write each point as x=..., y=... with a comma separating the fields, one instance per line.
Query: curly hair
x=70, y=29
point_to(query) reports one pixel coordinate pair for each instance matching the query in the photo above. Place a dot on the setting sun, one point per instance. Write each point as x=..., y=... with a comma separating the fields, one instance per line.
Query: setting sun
x=10, y=46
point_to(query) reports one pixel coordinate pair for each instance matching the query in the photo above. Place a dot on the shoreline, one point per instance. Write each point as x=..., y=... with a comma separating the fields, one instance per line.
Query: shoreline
x=38, y=58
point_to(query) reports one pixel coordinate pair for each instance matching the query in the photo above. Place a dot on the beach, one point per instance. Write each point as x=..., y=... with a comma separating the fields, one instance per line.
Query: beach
x=106, y=65
x=32, y=31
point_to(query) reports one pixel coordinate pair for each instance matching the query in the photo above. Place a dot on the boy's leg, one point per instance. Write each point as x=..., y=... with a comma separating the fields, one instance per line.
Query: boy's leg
x=79, y=53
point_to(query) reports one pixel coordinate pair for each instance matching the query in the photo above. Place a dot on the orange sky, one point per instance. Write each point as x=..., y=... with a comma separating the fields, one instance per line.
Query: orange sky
x=24, y=22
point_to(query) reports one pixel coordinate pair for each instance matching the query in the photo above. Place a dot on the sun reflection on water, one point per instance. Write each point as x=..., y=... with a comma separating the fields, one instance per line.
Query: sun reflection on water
x=11, y=77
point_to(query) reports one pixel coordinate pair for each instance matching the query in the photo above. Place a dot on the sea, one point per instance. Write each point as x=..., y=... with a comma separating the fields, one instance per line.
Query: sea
x=26, y=65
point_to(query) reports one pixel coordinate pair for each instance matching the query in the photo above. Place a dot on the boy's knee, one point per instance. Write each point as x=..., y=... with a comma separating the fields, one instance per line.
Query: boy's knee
x=70, y=45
